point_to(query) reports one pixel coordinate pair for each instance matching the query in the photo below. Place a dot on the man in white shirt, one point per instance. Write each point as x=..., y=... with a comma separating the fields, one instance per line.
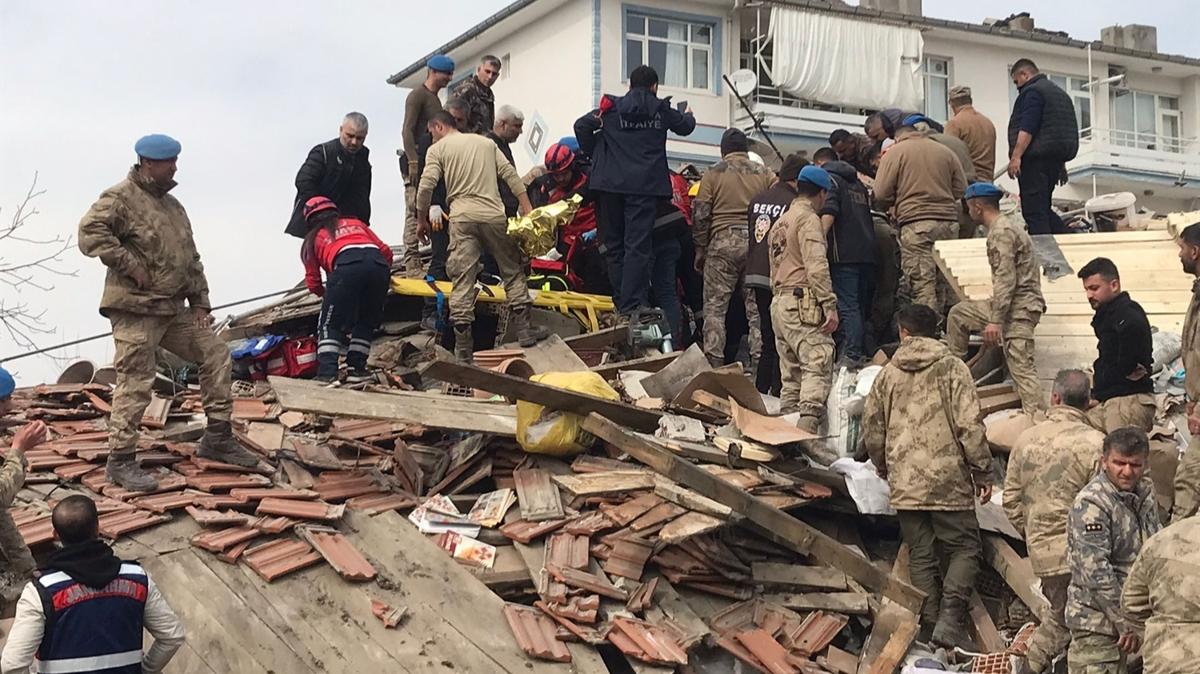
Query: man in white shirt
x=97, y=604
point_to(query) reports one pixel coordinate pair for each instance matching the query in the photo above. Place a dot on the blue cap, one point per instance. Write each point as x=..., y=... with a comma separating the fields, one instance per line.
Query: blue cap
x=982, y=189
x=571, y=142
x=815, y=175
x=157, y=146
x=7, y=385
x=912, y=120
x=440, y=63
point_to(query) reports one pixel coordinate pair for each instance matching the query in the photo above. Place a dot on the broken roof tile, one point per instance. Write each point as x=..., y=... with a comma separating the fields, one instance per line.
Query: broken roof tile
x=221, y=481
x=628, y=557
x=577, y=608
x=217, y=501
x=589, y=524
x=161, y=503
x=524, y=531
x=816, y=632
x=535, y=633
x=220, y=539
x=280, y=557
x=305, y=510
x=632, y=509
x=654, y=644
x=390, y=617
x=252, y=409
x=216, y=518
x=340, y=553
x=167, y=481
x=272, y=525
x=263, y=468
x=639, y=599
x=73, y=471
x=737, y=650
x=35, y=526
x=234, y=553
x=249, y=494
x=372, y=504
x=120, y=522
x=591, y=635
x=766, y=650
x=567, y=551
x=587, y=581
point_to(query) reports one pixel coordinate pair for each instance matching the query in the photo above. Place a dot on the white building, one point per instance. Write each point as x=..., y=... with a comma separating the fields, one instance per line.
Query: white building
x=837, y=63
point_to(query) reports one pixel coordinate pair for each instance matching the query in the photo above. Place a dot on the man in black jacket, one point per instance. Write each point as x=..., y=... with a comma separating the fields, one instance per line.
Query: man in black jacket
x=1121, y=381
x=338, y=169
x=510, y=122
x=850, y=233
x=1043, y=134
x=626, y=137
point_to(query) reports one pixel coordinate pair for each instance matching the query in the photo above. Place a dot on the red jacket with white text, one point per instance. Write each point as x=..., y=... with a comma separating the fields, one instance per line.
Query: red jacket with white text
x=350, y=232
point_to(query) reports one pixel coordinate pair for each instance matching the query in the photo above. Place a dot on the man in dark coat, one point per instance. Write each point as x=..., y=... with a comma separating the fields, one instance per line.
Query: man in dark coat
x=1043, y=134
x=626, y=138
x=338, y=169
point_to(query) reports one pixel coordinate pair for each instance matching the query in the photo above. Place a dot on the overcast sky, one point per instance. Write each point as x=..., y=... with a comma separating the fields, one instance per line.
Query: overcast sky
x=248, y=88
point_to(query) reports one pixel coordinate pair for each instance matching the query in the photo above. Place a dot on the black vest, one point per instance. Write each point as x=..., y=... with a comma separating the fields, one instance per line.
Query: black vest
x=1058, y=137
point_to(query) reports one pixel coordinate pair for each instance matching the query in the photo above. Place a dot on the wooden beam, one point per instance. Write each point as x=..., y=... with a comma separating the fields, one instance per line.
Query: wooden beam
x=891, y=636
x=983, y=628
x=648, y=364
x=449, y=412
x=1016, y=571
x=853, y=603
x=550, y=396
x=795, y=575
x=595, y=341
x=771, y=522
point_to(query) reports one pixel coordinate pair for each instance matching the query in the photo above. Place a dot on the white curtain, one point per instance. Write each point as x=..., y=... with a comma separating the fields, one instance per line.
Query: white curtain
x=825, y=58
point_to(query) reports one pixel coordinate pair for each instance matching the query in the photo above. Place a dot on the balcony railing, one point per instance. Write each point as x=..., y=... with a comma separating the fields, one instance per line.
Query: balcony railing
x=1142, y=152
x=791, y=119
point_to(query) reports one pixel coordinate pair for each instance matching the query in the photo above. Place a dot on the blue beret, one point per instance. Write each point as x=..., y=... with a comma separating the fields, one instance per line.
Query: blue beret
x=157, y=146
x=982, y=189
x=914, y=119
x=7, y=385
x=571, y=142
x=815, y=175
x=440, y=63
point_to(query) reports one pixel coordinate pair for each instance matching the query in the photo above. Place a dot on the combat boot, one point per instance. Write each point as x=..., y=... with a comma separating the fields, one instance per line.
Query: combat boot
x=123, y=470
x=218, y=444
x=464, y=344
x=950, y=630
x=527, y=333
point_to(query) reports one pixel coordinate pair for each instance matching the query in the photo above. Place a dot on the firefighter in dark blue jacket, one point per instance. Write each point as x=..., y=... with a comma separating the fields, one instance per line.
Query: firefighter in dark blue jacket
x=626, y=138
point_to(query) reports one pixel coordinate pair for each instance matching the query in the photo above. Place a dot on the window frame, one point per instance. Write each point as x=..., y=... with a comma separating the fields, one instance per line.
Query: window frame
x=926, y=75
x=1133, y=137
x=713, y=48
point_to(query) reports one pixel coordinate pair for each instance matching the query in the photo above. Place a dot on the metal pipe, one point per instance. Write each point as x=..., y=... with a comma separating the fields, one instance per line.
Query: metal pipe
x=753, y=118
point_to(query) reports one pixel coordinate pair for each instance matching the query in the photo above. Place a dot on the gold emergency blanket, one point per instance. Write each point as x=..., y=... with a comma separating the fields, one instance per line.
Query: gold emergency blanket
x=535, y=233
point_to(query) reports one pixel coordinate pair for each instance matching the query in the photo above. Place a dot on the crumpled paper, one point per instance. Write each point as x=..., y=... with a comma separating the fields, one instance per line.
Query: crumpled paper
x=536, y=233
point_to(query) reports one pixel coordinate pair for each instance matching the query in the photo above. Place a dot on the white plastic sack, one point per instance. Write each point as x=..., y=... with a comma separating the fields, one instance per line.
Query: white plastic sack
x=841, y=423
x=1167, y=347
x=870, y=492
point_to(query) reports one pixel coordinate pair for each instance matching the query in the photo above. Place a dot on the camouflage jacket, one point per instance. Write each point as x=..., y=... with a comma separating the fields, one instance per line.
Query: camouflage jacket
x=725, y=193
x=15, y=560
x=481, y=104
x=797, y=247
x=1162, y=599
x=1191, y=345
x=1106, y=530
x=1048, y=466
x=1016, y=275
x=921, y=426
x=136, y=225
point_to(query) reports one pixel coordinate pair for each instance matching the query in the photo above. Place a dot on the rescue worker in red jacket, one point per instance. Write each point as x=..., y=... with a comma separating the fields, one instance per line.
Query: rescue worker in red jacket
x=564, y=178
x=358, y=270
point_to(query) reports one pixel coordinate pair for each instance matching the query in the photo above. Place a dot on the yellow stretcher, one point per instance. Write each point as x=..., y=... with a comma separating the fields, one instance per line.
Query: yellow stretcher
x=582, y=307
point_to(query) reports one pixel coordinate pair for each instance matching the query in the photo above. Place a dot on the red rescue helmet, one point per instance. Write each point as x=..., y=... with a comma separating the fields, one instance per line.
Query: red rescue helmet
x=559, y=158
x=316, y=205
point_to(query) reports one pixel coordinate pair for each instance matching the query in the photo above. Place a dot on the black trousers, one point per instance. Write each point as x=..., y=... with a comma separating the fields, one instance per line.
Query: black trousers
x=1036, y=182
x=355, y=293
x=626, y=223
x=767, y=378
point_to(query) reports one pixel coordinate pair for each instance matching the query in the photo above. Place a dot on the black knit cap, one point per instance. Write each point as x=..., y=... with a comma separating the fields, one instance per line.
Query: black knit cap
x=733, y=140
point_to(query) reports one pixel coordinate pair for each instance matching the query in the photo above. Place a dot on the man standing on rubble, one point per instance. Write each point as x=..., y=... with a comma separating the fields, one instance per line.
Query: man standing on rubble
x=1043, y=134
x=1109, y=522
x=476, y=92
x=804, y=309
x=921, y=427
x=1161, y=599
x=16, y=562
x=1122, y=382
x=510, y=122
x=719, y=229
x=143, y=235
x=923, y=181
x=338, y=169
x=87, y=610
x=977, y=131
x=1187, y=475
x=420, y=106
x=1048, y=466
x=1009, y=318
x=850, y=232
x=471, y=165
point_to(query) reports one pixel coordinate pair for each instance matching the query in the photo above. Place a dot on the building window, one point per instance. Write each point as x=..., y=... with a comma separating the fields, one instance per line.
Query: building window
x=937, y=88
x=1144, y=120
x=680, y=50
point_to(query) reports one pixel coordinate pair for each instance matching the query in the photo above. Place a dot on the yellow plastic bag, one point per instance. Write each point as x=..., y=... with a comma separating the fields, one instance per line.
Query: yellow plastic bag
x=544, y=431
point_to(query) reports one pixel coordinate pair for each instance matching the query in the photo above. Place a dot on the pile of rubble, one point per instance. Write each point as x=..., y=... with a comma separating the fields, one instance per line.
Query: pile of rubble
x=695, y=530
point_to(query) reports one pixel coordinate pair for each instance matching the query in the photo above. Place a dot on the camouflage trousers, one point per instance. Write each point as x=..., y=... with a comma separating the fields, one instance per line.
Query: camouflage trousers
x=412, y=244
x=971, y=316
x=1092, y=653
x=137, y=338
x=1051, y=638
x=941, y=539
x=916, y=259
x=1135, y=410
x=1187, y=483
x=724, y=267
x=805, y=358
x=16, y=562
x=468, y=242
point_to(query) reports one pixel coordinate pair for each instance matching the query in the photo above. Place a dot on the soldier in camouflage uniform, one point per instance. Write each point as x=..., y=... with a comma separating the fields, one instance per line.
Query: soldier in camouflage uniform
x=1048, y=466
x=476, y=92
x=143, y=235
x=1109, y=523
x=803, y=307
x=921, y=427
x=16, y=563
x=1161, y=599
x=1187, y=476
x=1016, y=305
x=722, y=239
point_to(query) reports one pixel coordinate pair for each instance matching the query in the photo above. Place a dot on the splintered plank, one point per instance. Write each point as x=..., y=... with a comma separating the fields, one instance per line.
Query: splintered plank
x=537, y=495
x=612, y=482
x=794, y=575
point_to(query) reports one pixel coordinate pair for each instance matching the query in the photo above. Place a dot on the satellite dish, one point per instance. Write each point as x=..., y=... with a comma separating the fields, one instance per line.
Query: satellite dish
x=744, y=81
